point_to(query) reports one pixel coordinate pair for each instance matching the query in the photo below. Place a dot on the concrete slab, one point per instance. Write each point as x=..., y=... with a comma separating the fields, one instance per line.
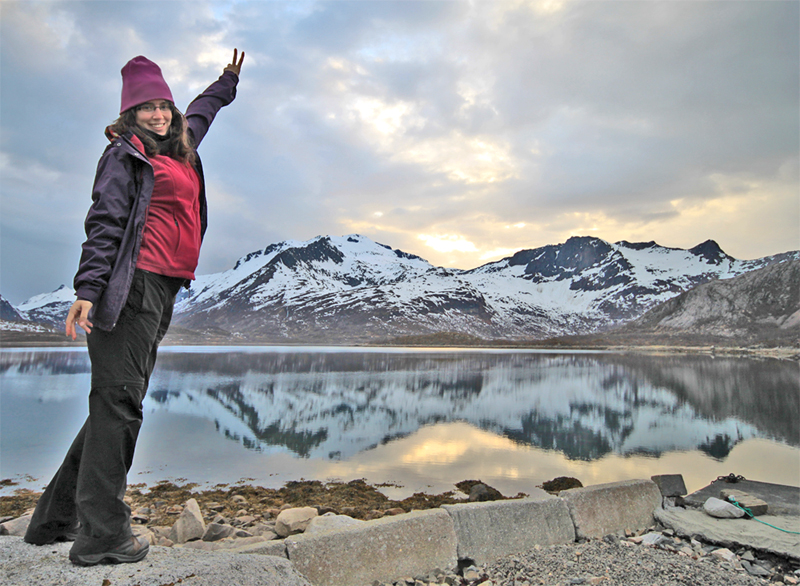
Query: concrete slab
x=781, y=499
x=736, y=532
x=384, y=549
x=602, y=509
x=670, y=484
x=490, y=530
x=29, y=565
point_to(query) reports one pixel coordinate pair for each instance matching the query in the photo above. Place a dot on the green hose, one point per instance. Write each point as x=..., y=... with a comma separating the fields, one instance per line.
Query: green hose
x=750, y=515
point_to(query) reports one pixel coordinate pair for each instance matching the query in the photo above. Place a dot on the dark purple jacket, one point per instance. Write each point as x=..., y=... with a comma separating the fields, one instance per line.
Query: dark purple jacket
x=120, y=197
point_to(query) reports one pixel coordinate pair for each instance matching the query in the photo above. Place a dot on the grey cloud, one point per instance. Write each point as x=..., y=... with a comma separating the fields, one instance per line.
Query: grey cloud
x=605, y=107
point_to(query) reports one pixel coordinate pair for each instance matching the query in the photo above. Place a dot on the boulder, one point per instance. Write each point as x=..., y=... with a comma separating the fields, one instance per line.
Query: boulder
x=330, y=522
x=17, y=526
x=190, y=524
x=722, y=509
x=296, y=520
x=215, y=532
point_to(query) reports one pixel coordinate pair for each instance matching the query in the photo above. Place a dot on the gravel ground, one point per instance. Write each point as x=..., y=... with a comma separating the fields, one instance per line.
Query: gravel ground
x=615, y=561
x=603, y=562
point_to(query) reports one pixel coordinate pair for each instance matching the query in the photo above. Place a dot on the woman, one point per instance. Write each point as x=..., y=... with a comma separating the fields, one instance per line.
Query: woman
x=143, y=235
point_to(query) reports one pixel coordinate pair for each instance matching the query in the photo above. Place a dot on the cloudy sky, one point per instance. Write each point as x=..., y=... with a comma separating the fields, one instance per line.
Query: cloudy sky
x=461, y=131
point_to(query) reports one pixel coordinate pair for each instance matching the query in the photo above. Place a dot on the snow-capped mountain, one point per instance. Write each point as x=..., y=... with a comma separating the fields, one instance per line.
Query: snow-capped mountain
x=760, y=304
x=351, y=289
x=48, y=308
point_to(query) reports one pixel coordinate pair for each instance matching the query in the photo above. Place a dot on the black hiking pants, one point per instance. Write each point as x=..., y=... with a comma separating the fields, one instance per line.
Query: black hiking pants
x=90, y=485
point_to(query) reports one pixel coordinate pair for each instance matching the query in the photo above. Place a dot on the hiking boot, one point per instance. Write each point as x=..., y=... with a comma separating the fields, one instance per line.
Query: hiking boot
x=133, y=550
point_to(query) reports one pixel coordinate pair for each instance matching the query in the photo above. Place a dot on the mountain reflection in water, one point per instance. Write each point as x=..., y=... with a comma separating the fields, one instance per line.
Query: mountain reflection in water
x=354, y=405
x=334, y=405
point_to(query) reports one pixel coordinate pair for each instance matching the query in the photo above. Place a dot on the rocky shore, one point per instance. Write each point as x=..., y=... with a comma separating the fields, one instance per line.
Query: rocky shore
x=254, y=520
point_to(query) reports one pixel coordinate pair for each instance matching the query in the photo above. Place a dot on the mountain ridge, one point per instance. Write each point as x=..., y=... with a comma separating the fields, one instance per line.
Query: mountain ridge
x=350, y=289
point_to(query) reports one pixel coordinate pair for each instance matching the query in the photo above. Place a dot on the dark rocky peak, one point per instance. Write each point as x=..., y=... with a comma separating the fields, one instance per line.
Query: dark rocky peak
x=7, y=311
x=711, y=252
x=638, y=245
x=318, y=250
x=407, y=255
x=397, y=252
x=581, y=252
x=255, y=254
x=563, y=260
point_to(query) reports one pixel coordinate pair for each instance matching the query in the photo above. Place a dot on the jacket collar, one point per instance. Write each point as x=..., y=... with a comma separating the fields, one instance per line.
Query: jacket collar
x=129, y=136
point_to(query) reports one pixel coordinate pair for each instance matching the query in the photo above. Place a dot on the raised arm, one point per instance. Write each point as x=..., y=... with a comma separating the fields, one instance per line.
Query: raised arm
x=201, y=112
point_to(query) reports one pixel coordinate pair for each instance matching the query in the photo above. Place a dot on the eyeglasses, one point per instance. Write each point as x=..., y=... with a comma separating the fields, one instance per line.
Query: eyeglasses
x=150, y=108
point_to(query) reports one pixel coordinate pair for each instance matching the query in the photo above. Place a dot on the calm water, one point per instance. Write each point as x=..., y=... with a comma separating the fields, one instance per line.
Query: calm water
x=422, y=419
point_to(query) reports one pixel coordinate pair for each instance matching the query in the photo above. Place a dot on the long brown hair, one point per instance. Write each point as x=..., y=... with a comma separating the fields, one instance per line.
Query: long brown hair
x=178, y=145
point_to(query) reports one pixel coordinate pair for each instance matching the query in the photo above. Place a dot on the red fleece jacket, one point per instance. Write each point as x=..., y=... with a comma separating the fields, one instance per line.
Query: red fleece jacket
x=171, y=239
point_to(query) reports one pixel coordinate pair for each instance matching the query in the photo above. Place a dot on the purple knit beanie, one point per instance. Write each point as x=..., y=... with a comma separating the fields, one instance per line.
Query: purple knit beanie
x=141, y=82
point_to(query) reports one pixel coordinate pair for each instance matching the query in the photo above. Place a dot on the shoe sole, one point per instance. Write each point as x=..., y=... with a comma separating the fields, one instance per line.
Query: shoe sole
x=111, y=558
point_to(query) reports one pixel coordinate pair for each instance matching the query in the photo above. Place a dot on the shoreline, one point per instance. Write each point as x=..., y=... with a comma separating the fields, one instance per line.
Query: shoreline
x=776, y=352
x=643, y=538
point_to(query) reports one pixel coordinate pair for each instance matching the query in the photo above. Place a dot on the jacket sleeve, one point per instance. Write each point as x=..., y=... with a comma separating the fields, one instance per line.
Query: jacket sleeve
x=201, y=112
x=112, y=201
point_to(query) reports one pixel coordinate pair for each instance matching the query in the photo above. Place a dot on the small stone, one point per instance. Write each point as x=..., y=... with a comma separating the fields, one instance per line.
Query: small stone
x=245, y=520
x=635, y=539
x=238, y=499
x=161, y=531
x=216, y=507
x=723, y=553
x=789, y=579
x=174, y=510
x=471, y=573
x=653, y=539
x=140, y=518
x=394, y=511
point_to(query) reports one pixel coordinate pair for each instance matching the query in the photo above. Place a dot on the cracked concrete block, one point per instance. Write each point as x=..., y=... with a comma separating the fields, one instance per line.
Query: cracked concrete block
x=381, y=550
x=490, y=530
x=603, y=509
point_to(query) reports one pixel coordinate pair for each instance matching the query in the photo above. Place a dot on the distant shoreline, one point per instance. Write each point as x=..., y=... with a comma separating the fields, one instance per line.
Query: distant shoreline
x=22, y=340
